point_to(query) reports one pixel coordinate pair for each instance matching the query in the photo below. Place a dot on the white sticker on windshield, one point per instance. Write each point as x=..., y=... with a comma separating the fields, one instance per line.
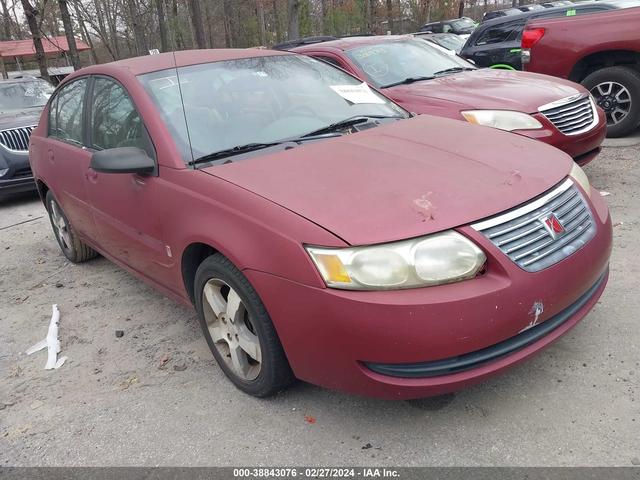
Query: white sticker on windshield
x=357, y=93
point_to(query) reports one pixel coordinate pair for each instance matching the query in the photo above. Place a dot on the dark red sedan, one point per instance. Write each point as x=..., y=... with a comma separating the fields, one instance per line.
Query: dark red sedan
x=424, y=78
x=320, y=232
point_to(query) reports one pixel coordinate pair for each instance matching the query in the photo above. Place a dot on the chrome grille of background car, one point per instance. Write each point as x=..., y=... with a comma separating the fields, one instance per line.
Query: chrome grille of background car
x=573, y=117
x=16, y=139
x=523, y=236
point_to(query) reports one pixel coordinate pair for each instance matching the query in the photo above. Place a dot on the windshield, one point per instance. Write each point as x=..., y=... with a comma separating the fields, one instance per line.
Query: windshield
x=388, y=63
x=258, y=100
x=21, y=95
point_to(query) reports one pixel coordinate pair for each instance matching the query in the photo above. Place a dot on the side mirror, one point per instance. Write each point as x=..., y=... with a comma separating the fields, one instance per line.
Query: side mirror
x=123, y=160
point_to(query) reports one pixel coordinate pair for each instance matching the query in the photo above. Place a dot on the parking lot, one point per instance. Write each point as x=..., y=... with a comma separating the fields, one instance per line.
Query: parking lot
x=155, y=395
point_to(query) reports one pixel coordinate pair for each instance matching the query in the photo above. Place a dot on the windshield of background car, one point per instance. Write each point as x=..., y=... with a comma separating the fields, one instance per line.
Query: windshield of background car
x=452, y=42
x=391, y=62
x=15, y=96
x=257, y=100
x=463, y=24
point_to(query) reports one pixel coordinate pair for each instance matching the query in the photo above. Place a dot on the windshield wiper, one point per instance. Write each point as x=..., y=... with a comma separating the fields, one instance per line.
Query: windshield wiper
x=452, y=70
x=407, y=81
x=230, y=152
x=347, y=122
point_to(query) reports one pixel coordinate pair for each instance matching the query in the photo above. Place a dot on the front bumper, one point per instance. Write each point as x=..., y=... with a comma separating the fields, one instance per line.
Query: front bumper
x=14, y=186
x=583, y=148
x=330, y=336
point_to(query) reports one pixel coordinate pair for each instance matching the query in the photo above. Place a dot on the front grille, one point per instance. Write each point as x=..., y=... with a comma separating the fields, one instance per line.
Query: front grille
x=573, y=117
x=16, y=139
x=544, y=231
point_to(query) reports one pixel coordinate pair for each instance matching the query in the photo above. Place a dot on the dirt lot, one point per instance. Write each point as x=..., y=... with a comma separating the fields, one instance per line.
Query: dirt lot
x=115, y=403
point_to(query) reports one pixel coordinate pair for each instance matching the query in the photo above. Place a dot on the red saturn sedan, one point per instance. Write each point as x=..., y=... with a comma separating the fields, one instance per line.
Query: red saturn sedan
x=320, y=231
x=425, y=78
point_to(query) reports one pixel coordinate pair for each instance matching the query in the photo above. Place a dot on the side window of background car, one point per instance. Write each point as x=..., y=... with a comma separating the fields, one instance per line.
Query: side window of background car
x=496, y=35
x=65, y=114
x=115, y=121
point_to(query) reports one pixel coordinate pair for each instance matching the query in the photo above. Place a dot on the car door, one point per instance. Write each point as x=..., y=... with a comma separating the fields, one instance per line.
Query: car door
x=125, y=205
x=68, y=156
x=498, y=45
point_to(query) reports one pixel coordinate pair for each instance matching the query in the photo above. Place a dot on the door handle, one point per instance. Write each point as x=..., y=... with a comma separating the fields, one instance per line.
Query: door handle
x=91, y=175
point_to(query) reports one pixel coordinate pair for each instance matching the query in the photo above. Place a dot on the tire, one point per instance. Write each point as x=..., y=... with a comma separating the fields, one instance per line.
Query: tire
x=619, y=79
x=72, y=247
x=247, y=323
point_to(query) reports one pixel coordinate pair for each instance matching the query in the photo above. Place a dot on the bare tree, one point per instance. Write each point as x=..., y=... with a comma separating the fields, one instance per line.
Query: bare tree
x=162, y=27
x=68, y=31
x=31, y=13
x=138, y=30
x=6, y=21
x=262, y=28
x=293, y=15
x=196, y=21
x=390, y=16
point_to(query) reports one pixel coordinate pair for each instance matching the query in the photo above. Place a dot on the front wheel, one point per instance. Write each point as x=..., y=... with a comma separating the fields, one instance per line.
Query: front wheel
x=238, y=329
x=617, y=91
x=73, y=248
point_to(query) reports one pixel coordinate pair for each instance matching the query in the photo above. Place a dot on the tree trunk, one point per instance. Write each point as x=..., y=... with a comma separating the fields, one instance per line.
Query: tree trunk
x=276, y=20
x=32, y=20
x=262, y=28
x=175, y=24
x=196, y=21
x=390, y=16
x=138, y=29
x=6, y=21
x=293, y=15
x=86, y=36
x=461, y=8
x=162, y=26
x=68, y=31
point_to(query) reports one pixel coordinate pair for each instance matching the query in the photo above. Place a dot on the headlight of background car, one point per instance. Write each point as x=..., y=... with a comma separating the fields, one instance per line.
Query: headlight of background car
x=502, y=119
x=580, y=178
x=432, y=260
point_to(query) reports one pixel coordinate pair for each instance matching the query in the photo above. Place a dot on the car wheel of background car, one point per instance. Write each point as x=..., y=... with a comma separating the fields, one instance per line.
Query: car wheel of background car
x=617, y=92
x=72, y=247
x=502, y=66
x=238, y=329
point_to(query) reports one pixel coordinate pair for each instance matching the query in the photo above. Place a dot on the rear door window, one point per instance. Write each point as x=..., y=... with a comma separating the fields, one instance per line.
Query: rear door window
x=498, y=34
x=66, y=113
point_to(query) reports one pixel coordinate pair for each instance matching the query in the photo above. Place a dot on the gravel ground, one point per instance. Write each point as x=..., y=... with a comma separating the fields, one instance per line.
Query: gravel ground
x=156, y=397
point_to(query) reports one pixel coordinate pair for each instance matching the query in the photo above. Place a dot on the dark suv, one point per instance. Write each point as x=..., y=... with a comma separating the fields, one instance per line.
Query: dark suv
x=21, y=101
x=496, y=43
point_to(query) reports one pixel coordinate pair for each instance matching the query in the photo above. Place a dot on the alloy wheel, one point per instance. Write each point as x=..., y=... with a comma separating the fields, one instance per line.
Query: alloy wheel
x=232, y=332
x=61, y=227
x=614, y=99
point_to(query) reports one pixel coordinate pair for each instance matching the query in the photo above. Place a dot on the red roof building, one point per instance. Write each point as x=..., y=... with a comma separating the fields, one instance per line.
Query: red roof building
x=24, y=49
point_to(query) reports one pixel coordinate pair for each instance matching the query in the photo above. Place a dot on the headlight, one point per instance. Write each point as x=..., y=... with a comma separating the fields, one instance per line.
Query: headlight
x=502, y=119
x=581, y=178
x=433, y=260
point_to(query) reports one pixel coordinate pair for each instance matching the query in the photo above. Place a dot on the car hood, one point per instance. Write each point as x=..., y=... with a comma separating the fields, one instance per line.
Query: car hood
x=402, y=180
x=491, y=89
x=20, y=118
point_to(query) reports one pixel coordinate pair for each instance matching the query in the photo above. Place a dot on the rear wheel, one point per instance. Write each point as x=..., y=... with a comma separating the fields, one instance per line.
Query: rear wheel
x=72, y=247
x=617, y=91
x=238, y=329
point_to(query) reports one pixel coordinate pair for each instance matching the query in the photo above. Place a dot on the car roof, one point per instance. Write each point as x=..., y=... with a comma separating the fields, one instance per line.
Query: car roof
x=163, y=61
x=604, y=5
x=349, y=43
